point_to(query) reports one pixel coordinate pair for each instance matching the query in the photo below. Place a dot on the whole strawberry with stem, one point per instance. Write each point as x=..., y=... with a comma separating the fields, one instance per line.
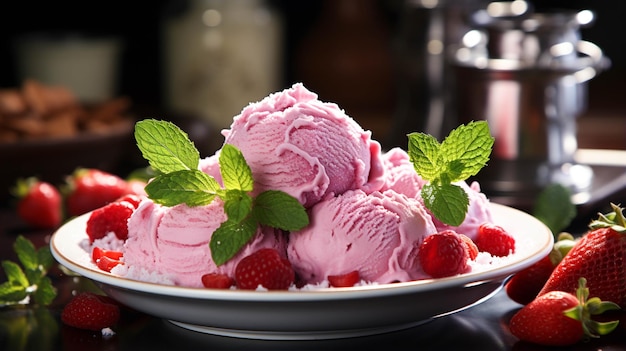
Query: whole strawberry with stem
x=89, y=188
x=600, y=257
x=39, y=203
x=560, y=318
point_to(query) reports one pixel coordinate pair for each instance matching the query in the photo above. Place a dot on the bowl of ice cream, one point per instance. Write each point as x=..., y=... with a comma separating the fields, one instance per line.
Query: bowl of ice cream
x=47, y=133
x=322, y=313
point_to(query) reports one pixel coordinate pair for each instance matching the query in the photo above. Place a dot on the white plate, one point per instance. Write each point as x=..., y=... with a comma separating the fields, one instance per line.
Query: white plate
x=319, y=314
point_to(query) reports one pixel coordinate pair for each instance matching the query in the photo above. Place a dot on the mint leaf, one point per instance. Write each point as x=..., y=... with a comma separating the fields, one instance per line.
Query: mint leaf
x=192, y=187
x=466, y=150
x=448, y=202
x=463, y=153
x=12, y=294
x=165, y=146
x=45, y=293
x=235, y=172
x=277, y=209
x=26, y=253
x=30, y=280
x=237, y=205
x=554, y=207
x=424, y=153
x=15, y=274
x=230, y=237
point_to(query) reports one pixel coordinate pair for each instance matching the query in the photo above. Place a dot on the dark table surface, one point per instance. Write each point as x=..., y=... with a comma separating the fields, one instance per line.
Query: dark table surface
x=481, y=327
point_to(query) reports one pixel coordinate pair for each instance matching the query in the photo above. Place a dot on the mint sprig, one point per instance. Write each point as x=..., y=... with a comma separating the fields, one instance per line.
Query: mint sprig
x=462, y=154
x=170, y=152
x=29, y=280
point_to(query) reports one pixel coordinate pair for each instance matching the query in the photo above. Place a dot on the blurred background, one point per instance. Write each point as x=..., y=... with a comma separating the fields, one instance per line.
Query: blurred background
x=372, y=57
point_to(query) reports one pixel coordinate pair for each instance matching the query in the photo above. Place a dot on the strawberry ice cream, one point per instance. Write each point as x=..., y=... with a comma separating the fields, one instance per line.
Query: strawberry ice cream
x=400, y=174
x=171, y=244
x=307, y=148
x=377, y=234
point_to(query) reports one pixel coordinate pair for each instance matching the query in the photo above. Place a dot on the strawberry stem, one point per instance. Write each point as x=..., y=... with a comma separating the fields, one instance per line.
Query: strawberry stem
x=614, y=220
x=589, y=307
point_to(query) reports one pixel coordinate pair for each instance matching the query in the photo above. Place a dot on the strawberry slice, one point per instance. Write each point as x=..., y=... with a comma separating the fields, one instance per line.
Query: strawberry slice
x=344, y=280
x=217, y=281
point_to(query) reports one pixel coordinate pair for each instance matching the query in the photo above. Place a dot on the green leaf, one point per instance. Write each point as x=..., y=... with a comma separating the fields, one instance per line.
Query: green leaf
x=45, y=258
x=230, y=237
x=235, y=172
x=26, y=253
x=463, y=153
x=12, y=293
x=15, y=274
x=192, y=187
x=45, y=293
x=165, y=146
x=467, y=148
x=424, y=153
x=448, y=202
x=278, y=209
x=237, y=205
x=554, y=207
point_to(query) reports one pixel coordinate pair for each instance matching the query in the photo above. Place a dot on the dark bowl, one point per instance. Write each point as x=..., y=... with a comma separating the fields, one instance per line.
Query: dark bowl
x=54, y=159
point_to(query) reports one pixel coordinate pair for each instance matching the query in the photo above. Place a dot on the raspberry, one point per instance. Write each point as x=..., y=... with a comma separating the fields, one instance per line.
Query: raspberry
x=443, y=254
x=217, y=281
x=472, y=249
x=266, y=268
x=494, y=240
x=344, y=280
x=90, y=311
x=112, y=217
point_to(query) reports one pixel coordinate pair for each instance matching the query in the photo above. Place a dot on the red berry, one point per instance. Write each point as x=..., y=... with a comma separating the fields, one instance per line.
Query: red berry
x=110, y=218
x=106, y=259
x=495, y=240
x=40, y=203
x=559, y=318
x=133, y=199
x=90, y=311
x=344, y=280
x=472, y=249
x=524, y=286
x=99, y=252
x=217, y=281
x=266, y=268
x=444, y=254
x=90, y=189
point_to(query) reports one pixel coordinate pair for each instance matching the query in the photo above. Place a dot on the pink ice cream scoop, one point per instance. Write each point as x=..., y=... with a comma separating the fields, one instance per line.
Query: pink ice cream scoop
x=377, y=234
x=173, y=242
x=400, y=174
x=307, y=148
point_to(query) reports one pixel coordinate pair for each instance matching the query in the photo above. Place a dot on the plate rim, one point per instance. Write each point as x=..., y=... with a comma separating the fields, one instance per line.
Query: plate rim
x=367, y=291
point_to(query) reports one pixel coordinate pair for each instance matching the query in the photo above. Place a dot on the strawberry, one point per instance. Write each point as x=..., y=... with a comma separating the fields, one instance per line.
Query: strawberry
x=344, y=280
x=266, y=268
x=560, y=318
x=600, y=256
x=495, y=240
x=110, y=218
x=39, y=204
x=89, y=189
x=90, y=311
x=217, y=281
x=106, y=259
x=524, y=285
x=443, y=254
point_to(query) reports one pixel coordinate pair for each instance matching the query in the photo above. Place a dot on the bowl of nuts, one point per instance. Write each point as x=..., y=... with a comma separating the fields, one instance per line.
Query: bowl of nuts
x=47, y=133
